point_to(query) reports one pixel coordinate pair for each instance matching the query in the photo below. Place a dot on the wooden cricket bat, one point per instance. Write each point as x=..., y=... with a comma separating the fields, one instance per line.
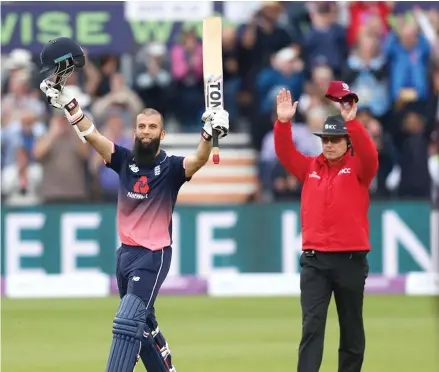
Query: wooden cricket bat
x=213, y=72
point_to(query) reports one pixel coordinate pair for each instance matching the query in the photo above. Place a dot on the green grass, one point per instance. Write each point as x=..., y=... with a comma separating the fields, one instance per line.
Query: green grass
x=215, y=335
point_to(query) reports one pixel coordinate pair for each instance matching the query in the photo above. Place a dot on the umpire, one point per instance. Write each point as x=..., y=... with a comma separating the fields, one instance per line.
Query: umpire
x=335, y=226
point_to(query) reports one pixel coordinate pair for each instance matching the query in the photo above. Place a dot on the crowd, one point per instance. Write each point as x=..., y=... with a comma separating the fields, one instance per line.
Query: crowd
x=388, y=52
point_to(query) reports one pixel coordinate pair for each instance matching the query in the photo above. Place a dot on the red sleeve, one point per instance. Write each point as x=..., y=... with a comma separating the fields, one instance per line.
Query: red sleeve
x=294, y=162
x=365, y=151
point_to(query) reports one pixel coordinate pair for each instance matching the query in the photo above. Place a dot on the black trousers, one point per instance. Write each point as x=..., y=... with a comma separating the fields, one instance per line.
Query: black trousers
x=322, y=274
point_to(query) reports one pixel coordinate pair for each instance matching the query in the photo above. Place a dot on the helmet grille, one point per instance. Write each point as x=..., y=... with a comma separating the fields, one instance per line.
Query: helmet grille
x=64, y=69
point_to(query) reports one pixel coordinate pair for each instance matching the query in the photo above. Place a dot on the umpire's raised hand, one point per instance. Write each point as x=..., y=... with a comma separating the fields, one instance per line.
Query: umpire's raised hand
x=286, y=109
x=348, y=110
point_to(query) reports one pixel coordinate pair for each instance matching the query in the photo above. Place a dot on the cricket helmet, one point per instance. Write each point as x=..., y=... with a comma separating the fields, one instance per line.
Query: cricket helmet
x=333, y=126
x=59, y=58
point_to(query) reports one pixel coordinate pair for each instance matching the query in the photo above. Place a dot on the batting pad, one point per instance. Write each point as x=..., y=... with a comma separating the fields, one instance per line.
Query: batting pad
x=155, y=358
x=128, y=327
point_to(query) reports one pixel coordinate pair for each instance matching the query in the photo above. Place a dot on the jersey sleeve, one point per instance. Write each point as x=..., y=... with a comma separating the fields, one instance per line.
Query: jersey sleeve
x=178, y=171
x=119, y=155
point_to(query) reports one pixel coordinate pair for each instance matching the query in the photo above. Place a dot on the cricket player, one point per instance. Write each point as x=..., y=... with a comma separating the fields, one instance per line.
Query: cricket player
x=150, y=180
x=335, y=226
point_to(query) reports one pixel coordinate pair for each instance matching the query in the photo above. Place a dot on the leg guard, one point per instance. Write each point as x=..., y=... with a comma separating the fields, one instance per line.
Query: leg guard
x=155, y=352
x=128, y=327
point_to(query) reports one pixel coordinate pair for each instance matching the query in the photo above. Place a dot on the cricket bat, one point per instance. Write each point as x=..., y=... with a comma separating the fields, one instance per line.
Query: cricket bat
x=213, y=72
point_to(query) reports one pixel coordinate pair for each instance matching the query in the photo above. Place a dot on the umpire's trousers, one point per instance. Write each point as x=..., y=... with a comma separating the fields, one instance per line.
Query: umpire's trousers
x=343, y=273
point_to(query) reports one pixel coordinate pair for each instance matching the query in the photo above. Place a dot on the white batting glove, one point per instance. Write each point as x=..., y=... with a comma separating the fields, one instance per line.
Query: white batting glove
x=60, y=100
x=215, y=120
x=65, y=100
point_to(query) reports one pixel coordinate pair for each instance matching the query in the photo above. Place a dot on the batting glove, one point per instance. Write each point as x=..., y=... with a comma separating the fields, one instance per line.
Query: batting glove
x=63, y=100
x=66, y=101
x=215, y=120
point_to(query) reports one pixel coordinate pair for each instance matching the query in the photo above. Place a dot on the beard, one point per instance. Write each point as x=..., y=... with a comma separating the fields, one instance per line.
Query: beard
x=145, y=153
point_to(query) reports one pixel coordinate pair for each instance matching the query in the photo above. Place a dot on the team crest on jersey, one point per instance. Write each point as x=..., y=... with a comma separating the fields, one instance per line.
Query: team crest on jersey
x=140, y=188
x=134, y=168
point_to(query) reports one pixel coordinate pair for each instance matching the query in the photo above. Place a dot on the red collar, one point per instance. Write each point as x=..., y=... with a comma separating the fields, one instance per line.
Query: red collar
x=324, y=162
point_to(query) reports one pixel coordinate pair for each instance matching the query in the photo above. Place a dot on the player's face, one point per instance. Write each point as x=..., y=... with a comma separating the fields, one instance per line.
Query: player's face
x=147, y=136
x=334, y=147
x=149, y=128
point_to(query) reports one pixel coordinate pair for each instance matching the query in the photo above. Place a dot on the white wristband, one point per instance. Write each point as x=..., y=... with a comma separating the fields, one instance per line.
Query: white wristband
x=77, y=117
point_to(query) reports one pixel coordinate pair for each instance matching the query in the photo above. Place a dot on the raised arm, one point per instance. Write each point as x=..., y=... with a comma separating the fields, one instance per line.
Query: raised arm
x=193, y=163
x=213, y=120
x=365, y=151
x=83, y=125
x=102, y=145
x=294, y=162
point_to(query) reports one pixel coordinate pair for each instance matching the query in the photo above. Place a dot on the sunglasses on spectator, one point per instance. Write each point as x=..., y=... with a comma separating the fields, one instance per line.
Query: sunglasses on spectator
x=332, y=139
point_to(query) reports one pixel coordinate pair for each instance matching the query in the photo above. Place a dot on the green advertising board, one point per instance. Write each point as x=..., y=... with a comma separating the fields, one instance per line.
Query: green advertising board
x=255, y=238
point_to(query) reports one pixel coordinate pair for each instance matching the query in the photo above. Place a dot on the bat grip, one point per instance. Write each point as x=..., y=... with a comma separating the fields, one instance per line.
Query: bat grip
x=215, y=146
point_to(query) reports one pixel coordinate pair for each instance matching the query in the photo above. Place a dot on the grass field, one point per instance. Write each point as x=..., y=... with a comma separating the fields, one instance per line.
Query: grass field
x=214, y=335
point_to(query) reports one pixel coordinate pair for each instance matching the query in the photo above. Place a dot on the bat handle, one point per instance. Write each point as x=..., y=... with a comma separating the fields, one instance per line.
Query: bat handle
x=215, y=145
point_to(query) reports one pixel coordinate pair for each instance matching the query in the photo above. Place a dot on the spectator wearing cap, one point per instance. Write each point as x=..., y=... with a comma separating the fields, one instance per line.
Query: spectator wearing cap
x=18, y=61
x=286, y=70
x=19, y=98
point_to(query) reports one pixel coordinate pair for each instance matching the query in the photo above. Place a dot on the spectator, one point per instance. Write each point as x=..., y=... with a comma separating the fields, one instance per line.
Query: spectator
x=120, y=97
x=286, y=71
x=285, y=187
x=415, y=176
x=187, y=72
x=325, y=42
x=394, y=71
x=153, y=80
x=108, y=66
x=19, y=61
x=364, y=14
x=387, y=155
x=366, y=73
x=21, y=181
x=314, y=92
x=408, y=54
x=259, y=39
x=23, y=132
x=232, y=79
x=20, y=97
x=63, y=158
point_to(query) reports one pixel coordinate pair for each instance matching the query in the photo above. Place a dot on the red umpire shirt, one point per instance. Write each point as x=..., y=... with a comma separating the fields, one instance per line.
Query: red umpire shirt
x=335, y=198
